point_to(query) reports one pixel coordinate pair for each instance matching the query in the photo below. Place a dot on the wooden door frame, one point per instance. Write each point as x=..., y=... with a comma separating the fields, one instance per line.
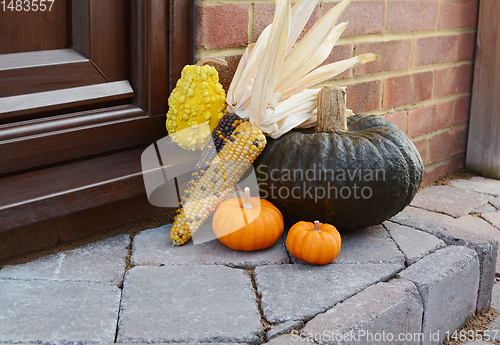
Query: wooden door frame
x=67, y=140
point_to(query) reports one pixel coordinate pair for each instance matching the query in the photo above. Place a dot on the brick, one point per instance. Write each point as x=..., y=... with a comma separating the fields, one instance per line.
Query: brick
x=452, y=272
x=462, y=110
x=399, y=118
x=364, y=97
x=458, y=14
x=452, y=80
x=434, y=174
x=222, y=26
x=407, y=89
x=448, y=144
x=404, y=16
x=226, y=73
x=339, y=53
x=394, y=307
x=28, y=239
x=85, y=223
x=434, y=50
x=466, y=46
x=427, y=119
x=456, y=165
x=392, y=56
x=422, y=147
x=264, y=14
x=364, y=17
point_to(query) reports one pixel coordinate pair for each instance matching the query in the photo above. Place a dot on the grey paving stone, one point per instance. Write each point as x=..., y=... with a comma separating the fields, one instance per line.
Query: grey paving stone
x=493, y=218
x=495, y=299
x=484, y=208
x=58, y=312
x=282, y=328
x=369, y=245
x=477, y=342
x=447, y=281
x=153, y=247
x=414, y=244
x=293, y=338
x=189, y=304
x=102, y=261
x=386, y=310
x=479, y=184
x=296, y=292
x=479, y=226
x=486, y=247
x=494, y=329
x=453, y=201
x=421, y=213
x=496, y=203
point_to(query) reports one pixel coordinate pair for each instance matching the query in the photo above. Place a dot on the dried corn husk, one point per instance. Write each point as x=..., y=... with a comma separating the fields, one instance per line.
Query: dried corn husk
x=270, y=85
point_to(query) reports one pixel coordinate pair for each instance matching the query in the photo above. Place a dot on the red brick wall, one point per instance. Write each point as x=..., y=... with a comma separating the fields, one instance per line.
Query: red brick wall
x=421, y=82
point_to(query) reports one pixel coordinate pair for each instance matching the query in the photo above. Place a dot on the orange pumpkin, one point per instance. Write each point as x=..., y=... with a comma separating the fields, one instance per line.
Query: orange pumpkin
x=247, y=225
x=314, y=243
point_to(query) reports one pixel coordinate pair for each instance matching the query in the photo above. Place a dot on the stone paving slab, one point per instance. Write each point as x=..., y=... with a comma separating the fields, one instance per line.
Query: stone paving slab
x=189, y=304
x=411, y=211
x=484, y=208
x=393, y=308
x=102, y=261
x=287, y=339
x=414, y=244
x=479, y=226
x=153, y=247
x=282, y=328
x=496, y=203
x=493, y=218
x=296, y=292
x=447, y=281
x=486, y=247
x=369, y=245
x=479, y=184
x=452, y=201
x=58, y=312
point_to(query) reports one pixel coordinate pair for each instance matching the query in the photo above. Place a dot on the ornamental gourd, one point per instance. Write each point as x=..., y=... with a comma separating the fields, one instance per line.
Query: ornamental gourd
x=271, y=93
x=197, y=98
x=314, y=243
x=351, y=173
x=247, y=225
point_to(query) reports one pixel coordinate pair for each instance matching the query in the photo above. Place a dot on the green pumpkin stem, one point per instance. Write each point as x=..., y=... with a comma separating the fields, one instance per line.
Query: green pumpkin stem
x=332, y=115
x=317, y=226
x=247, y=204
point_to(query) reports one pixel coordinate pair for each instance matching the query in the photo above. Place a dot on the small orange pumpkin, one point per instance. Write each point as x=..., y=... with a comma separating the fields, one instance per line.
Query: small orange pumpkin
x=314, y=243
x=250, y=225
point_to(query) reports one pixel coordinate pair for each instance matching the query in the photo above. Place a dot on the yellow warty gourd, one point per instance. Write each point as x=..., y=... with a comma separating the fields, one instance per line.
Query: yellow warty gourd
x=197, y=98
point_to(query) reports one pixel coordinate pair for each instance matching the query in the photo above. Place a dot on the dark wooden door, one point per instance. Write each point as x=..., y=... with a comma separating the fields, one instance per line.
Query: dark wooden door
x=83, y=89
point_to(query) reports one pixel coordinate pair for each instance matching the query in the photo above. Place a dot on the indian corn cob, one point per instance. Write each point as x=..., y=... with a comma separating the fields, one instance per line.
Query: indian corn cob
x=270, y=89
x=235, y=157
x=197, y=98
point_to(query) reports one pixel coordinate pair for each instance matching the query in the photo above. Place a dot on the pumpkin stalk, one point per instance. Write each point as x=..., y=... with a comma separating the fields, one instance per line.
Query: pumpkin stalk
x=332, y=114
x=317, y=226
x=247, y=204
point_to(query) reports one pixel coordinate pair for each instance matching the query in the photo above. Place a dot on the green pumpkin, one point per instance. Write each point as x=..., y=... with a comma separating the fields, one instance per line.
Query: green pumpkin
x=349, y=179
